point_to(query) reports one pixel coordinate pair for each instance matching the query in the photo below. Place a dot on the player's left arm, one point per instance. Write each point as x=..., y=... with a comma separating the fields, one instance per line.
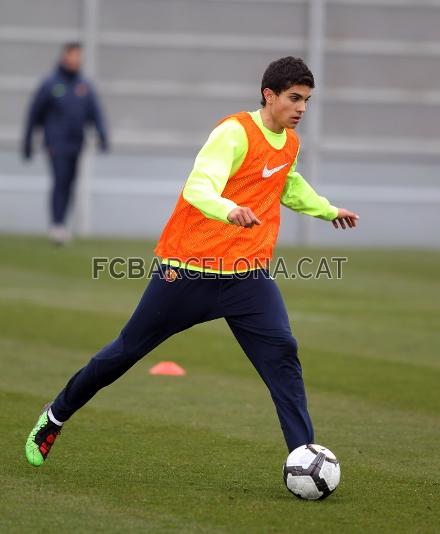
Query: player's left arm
x=96, y=116
x=299, y=195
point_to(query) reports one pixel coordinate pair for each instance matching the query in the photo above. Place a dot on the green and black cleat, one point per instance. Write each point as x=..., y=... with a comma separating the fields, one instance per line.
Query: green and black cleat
x=41, y=439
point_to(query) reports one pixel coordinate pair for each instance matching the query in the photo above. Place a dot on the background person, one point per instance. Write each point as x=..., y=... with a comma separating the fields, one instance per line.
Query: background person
x=63, y=105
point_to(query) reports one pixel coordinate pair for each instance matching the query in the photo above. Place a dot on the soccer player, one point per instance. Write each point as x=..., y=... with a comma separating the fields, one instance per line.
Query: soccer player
x=214, y=249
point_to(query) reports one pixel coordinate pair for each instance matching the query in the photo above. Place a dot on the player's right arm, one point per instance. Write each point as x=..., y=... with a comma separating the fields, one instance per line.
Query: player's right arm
x=35, y=117
x=219, y=158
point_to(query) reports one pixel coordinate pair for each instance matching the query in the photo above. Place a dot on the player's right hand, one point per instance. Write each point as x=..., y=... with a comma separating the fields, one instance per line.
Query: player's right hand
x=26, y=153
x=243, y=217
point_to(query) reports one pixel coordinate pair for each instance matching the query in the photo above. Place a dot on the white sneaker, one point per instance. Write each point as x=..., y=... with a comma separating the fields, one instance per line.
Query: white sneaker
x=59, y=235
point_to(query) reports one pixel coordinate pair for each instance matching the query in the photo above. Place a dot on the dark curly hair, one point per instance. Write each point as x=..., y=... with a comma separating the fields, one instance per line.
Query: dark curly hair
x=285, y=72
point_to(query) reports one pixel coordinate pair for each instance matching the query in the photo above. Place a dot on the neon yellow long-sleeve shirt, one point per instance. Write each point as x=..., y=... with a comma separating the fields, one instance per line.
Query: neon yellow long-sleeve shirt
x=222, y=155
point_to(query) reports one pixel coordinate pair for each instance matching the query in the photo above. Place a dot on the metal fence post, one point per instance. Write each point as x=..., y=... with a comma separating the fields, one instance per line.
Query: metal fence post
x=315, y=52
x=90, y=28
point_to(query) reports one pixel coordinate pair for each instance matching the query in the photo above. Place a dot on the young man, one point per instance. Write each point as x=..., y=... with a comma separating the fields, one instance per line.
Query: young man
x=225, y=221
x=63, y=105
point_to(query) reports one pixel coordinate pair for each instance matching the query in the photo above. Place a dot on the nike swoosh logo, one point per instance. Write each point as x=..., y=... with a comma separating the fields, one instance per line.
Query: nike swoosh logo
x=267, y=173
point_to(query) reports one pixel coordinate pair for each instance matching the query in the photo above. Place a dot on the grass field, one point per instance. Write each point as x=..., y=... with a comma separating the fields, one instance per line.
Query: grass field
x=203, y=453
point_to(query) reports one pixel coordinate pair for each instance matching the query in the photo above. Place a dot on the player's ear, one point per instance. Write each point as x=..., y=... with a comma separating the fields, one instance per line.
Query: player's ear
x=268, y=95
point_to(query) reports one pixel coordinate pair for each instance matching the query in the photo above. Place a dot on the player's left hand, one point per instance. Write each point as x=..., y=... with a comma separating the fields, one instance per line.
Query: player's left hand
x=345, y=218
x=104, y=147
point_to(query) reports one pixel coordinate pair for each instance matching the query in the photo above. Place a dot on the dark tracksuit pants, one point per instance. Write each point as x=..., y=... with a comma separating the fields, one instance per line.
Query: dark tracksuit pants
x=63, y=168
x=253, y=309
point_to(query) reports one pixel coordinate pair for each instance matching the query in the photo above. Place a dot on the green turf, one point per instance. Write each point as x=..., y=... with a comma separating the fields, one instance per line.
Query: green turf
x=203, y=453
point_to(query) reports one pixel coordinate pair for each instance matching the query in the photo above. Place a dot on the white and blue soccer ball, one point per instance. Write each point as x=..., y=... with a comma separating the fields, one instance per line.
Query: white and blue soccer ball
x=311, y=472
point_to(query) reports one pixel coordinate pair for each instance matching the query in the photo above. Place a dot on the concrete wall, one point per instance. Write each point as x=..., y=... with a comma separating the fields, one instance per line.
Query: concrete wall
x=169, y=69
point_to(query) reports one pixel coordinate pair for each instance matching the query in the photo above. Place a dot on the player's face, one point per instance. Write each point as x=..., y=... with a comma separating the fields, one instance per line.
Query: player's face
x=72, y=59
x=288, y=107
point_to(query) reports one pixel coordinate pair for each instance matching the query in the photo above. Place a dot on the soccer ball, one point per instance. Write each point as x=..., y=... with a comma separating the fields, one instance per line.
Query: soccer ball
x=311, y=472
